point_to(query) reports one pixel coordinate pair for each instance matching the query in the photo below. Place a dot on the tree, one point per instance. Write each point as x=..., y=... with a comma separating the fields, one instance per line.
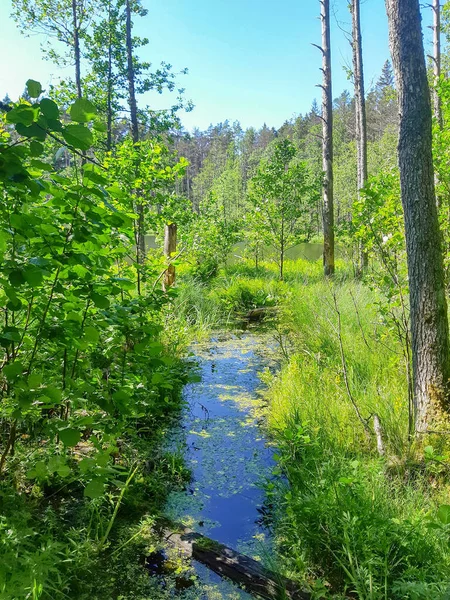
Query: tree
x=64, y=20
x=280, y=193
x=327, y=142
x=437, y=60
x=381, y=104
x=428, y=306
x=387, y=77
x=360, y=108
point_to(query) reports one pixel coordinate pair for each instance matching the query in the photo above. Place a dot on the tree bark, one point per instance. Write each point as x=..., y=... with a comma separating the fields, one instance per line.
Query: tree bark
x=141, y=251
x=428, y=306
x=437, y=60
x=110, y=84
x=76, y=48
x=170, y=247
x=327, y=142
x=131, y=76
x=360, y=111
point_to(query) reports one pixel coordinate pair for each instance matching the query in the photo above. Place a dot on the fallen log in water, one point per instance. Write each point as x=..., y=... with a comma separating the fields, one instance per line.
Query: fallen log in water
x=242, y=570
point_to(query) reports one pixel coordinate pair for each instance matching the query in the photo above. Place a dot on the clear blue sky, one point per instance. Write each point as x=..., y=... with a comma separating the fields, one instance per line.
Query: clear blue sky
x=248, y=60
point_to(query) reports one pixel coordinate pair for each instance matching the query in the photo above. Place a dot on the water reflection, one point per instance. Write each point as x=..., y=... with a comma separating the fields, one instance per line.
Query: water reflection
x=226, y=450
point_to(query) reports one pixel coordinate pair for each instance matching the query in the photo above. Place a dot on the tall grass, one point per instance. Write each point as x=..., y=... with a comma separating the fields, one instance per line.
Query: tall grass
x=347, y=518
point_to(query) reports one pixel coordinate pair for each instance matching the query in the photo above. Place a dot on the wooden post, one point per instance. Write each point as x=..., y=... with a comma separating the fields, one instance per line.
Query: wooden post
x=170, y=247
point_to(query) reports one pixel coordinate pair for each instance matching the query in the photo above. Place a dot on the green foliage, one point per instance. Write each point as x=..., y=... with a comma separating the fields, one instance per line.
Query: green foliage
x=83, y=365
x=368, y=526
x=281, y=192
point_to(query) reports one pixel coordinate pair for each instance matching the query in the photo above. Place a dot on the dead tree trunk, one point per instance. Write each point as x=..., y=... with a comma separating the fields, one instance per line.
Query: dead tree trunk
x=428, y=306
x=327, y=142
x=360, y=111
x=170, y=247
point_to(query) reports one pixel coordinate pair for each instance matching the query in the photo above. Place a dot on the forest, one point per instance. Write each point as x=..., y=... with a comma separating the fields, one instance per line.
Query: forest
x=225, y=361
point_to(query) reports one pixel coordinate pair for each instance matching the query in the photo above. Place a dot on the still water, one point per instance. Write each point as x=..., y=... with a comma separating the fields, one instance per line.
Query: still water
x=225, y=448
x=307, y=251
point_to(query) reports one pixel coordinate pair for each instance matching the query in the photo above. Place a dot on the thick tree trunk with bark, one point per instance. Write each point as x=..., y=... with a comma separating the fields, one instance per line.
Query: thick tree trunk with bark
x=327, y=148
x=360, y=110
x=429, y=323
x=76, y=48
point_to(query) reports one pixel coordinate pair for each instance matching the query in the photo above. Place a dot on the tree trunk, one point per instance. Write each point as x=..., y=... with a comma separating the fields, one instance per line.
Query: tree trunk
x=327, y=147
x=76, y=48
x=437, y=60
x=110, y=85
x=428, y=306
x=170, y=247
x=360, y=111
x=131, y=77
x=134, y=130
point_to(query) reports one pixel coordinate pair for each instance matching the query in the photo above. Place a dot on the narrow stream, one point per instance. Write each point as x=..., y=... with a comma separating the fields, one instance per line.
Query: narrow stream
x=224, y=447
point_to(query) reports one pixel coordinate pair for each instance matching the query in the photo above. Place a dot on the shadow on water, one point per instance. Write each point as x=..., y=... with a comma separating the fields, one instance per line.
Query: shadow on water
x=227, y=453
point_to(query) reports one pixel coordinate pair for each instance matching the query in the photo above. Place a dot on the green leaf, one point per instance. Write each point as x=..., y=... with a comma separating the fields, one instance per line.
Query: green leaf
x=34, y=381
x=49, y=109
x=33, y=131
x=443, y=514
x=40, y=470
x=82, y=111
x=33, y=276
x=4, y=237
x=100, y=301
x=100, y=126
x=78, y=136
x=12, y=334
x=36, y=148
x=95, y=176
x=34, y=88
x=91, y=334
x=55, y=125
x=14, y=304
x=74, y=316
x=158, y=378
x=94, y=489
x=86, y=464
x=53, y=393
x=43, y=166
x=124, y=284
x=16, y=278
x=121, y=396
x=64, y=471
x=69, y=437
x=12, y=370
x=21, y=115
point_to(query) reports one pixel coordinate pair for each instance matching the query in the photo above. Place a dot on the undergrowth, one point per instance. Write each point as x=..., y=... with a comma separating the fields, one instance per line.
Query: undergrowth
x=346, y=519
